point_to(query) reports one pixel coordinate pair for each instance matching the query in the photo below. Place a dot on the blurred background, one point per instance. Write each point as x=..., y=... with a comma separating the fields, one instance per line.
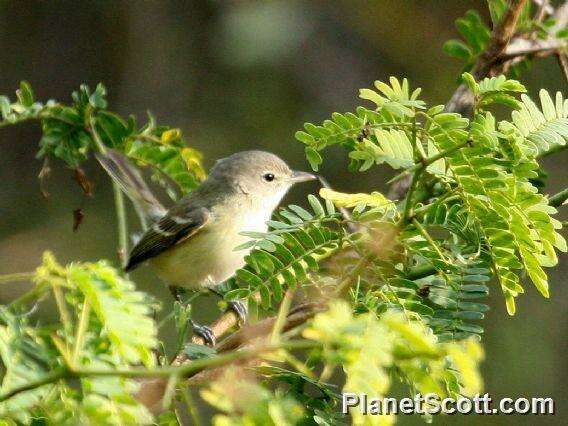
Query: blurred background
x=238, y=75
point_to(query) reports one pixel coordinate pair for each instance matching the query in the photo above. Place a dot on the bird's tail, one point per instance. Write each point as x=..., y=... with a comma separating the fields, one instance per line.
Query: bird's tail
x=131, y=182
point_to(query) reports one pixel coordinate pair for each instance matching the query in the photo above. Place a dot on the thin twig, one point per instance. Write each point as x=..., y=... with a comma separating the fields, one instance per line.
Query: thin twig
x=519, y=48
x=62, y=347
x=170, y=391
x=500, y=38
x=120, y=209
x=15, y=277
x=409, y=194
x=563, y=61
x=430, y=160
x=462, y=99
x=62, y=307
x=186, y=370
x=558, y=199
x=281, y=317
x=297, y=316
x=81, y=331
x=44, y=113
x=495, y=57
x=35, y=293
x=543, y=9
x=121, y=223
x=49, y=378
x=419, y=159
x=429, y=238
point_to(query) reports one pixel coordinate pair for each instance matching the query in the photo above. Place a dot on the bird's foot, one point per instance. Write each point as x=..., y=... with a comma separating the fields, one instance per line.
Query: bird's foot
x=204, y=332
x=240, y=309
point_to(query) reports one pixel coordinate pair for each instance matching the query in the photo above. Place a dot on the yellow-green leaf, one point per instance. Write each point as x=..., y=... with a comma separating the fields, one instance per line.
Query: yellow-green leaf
x=340, y=199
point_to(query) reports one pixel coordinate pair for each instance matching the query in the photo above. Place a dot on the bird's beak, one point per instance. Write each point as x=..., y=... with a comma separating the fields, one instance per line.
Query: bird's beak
x=302, y=177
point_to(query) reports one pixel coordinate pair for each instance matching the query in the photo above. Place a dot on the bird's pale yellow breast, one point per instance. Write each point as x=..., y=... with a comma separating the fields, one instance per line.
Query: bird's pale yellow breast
x=208, y=258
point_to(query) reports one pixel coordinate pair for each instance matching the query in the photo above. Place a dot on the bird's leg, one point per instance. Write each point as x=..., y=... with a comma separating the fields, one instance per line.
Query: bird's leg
x=239, y=307
x=201, y=330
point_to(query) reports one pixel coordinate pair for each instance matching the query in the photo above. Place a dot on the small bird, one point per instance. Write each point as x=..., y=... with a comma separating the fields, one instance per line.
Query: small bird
x=191, y=245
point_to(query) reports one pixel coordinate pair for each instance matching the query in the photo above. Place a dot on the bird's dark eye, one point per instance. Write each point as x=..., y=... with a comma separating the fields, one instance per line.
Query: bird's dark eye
x=269, y=177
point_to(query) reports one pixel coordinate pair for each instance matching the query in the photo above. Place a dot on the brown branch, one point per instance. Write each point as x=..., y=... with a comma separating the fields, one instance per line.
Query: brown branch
x=500, y=38
x=258, y=333
x=151, y=390
x=503, y=51
x=297, y=316
x=526, y=46
x=462, y=99
x=563, y=61
x=519, y=48
x=544, y=9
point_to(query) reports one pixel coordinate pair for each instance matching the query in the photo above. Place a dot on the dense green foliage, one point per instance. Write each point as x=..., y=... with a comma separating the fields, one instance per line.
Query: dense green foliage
x=401, y=284
x=104, y=323
x=71, y=132
x=479, y=188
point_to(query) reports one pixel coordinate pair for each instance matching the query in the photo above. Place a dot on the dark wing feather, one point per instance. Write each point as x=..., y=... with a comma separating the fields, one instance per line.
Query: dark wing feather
x=177, y=225
x=131, y=182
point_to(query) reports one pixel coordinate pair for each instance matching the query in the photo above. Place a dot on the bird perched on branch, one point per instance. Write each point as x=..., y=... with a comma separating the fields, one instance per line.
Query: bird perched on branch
x=191, y=245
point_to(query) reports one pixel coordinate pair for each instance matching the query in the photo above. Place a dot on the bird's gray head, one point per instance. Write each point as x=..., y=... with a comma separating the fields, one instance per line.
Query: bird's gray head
x=259, y=174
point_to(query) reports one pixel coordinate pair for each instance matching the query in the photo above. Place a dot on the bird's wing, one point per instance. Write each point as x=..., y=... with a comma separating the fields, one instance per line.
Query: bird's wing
x=132, y=183
x=179, y=224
